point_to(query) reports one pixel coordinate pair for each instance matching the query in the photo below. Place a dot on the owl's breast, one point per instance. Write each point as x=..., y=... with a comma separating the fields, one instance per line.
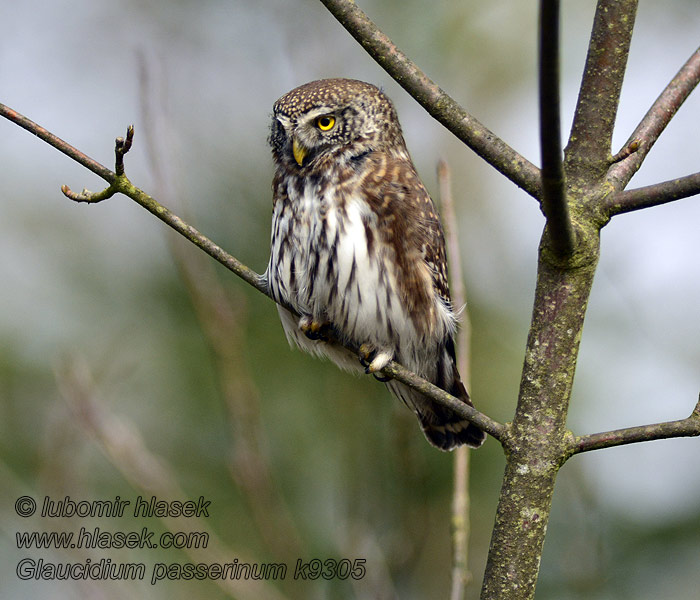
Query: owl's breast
x=329, y=260
x=296, y=242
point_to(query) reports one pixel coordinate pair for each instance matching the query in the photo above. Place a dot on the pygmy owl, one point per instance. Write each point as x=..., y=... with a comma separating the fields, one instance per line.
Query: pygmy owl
x=357, y=247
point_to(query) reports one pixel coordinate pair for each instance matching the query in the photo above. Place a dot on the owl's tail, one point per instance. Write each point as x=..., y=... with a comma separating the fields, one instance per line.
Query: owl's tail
x=447, y=430
x=443, y=428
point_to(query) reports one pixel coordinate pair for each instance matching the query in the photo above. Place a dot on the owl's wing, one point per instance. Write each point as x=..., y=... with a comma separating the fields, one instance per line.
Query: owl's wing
x=408, y=224
x=435, y=256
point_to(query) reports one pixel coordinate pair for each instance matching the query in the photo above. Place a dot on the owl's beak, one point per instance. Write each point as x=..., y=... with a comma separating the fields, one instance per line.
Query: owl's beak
x=299, y=151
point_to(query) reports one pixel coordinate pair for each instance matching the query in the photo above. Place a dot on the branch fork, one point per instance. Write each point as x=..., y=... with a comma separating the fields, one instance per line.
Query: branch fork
x=121, y=147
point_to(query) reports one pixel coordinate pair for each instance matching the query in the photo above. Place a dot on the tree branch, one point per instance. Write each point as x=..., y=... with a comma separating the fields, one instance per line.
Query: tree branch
x=57, y=143
x=538, y=441
x=121, y=184
x=554, y=201
x=654, y=195
x=436, y=102
x=596, y=110
x=653, y=124
x=402, y=374
x=689, y=427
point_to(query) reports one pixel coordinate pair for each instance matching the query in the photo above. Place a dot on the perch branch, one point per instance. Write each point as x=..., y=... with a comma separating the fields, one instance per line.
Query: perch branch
x=402, y=374
x=121, y=184
x=428, y=94
x=554, y=201
x=688, y=427
x=653, y=124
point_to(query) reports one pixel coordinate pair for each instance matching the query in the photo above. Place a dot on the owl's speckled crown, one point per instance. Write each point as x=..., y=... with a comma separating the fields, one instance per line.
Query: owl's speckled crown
x=327, y=91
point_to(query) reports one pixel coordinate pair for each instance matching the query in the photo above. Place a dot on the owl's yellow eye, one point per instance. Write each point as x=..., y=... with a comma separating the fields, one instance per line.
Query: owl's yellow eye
x=326, y=122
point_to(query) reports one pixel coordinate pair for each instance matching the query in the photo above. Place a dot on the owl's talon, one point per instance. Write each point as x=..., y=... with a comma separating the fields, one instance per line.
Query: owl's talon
x=314, y=330
x=381, y=378
x=366, y=352
x=374, y=360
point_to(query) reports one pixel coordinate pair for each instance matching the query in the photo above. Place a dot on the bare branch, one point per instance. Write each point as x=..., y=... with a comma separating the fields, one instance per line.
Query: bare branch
x=654, y=195
x=537, y=441
x=656, y=120
x=461, y=525
x=439, y=104
x=554, y=201
x=591, y=135
x=689, y=427
x=457, y=287
x=57, y=143
x=121, y=184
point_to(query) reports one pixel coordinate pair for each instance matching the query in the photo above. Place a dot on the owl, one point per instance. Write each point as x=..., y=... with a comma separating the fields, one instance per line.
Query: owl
x=357, y=249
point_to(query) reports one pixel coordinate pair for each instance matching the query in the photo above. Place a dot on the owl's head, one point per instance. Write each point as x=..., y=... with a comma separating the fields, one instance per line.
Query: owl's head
x=333, y=118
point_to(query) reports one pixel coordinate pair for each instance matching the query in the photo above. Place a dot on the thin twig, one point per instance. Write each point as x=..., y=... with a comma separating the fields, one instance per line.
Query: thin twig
x=57, y=143
x=121, y=184
x=439, y=104
x=122, y=147
x=656, y=194
x=596, y=110
x=628, y=150
x=689, y=427
x=654, y=122
x=457, y=287
x=554, y=201
x=461, y=575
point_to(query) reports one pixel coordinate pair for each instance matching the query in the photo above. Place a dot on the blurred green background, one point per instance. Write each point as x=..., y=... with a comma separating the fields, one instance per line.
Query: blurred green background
x=131, y=365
